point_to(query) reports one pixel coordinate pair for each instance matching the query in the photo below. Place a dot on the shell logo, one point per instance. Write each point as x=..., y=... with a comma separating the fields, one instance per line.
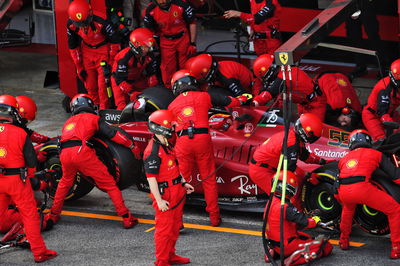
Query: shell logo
x=351, y=163
x=170, y=163
x=2, y=128
x=292, y=181
x=165, y=122
x=133, y=39
x=308, y=128
x=205, y=70
x=341, y=82
x=188, y=111
x=21, y=109
x=3, y=152
x=70, y=126
x=79, y=16
x=263, y=69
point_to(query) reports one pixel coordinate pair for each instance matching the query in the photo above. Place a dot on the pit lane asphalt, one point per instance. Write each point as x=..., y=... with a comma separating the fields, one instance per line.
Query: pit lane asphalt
x=90, y=241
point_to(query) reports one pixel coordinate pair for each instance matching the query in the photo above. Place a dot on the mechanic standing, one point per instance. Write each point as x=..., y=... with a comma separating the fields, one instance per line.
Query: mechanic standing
x=264, y=21
x=78, y=156
x=229, y=75
x=18, y=163
x=264, y=163
x=305, y=93
x=355, y=170
x=173, y=21
x=91, y=40
x=382, y=103
x=135, y=68
x=193, y=145
x=294, y=219
x=167, y=188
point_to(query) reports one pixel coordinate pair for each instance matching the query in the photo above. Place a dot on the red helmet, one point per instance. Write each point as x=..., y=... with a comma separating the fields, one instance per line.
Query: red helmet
x=359, y=138
x=80, y=13
x=9, y=109
x=160, y=122
x=188, y=63
x=264, y=68
x=291, y=184
x=140, y=38
x=26, y=107
x=82, y=103
x=394, y=73
x=203, y=67
x=308, y=127
x=183, y=80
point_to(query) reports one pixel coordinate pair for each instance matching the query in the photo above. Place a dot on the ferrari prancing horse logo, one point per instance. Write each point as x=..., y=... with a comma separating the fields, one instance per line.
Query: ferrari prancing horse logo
x=284, y=57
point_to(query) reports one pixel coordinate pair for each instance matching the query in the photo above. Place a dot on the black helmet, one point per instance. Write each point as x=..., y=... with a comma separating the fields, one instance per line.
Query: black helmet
x=9, y=114
x=291, y=184
x=359, y=138
x=160, y=122
x=82, y=103
x=183, y=81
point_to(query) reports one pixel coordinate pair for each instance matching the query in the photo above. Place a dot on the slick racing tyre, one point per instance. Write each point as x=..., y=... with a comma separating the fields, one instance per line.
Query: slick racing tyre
x=120, y=162
x=150, y=100
x=81, y=187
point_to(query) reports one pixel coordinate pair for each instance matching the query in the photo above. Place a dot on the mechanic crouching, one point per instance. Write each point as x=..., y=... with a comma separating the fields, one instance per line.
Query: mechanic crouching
x=355, y=170
x=77, y=156
x=17, y=166
x=193, y=145
x=294, y=219
x=263, y=165
x=167, y=188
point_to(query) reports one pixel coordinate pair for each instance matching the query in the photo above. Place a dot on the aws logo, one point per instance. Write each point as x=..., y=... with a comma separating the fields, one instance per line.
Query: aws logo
x=70, y=126
x=3, y=152
x=351, y=163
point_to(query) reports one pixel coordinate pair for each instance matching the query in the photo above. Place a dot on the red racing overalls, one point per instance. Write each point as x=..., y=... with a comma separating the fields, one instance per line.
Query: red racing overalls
x=236, y=78
x=293, y=219
x=304, y=93
x=172, y=26
x=264, y=163
x=160, y=163
x=381, y=106
x=89, y=46
x=191, y=109
x=355, y=187
x=16, y=152
x=264, y=21
x=338, y=91
x=132, y=74
x=77, y=156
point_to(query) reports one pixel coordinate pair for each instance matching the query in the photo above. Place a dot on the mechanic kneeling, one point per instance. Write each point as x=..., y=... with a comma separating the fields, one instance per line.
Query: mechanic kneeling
x=356, y=169
x=76, y=156
x=17, y=163
x=167, y=188
x=293, y=220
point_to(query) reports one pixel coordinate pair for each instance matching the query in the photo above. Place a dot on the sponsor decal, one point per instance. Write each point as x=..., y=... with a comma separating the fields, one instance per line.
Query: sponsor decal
x=329, y=153
x=3, y=152
x=170, y=162
x=341, y=82
x=2, y=128
x=248, y=128
x=139, y=139
x=351, y=163
x=244, y=186
x=70, y=126
x=187, y=111
x=338, y=138
x=273, y=117
x=79, y=16
x=220, y=180
x=284, y=57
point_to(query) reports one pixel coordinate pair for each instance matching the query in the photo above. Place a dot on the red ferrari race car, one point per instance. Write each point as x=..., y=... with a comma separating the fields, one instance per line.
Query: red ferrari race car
x=236, y=134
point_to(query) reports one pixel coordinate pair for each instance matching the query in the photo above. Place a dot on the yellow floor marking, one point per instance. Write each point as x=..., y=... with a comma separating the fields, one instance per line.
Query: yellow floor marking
x=150, y=229
x=193, y=226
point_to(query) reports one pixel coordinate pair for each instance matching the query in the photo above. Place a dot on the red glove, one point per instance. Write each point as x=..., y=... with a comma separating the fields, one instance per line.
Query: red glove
x=38, y=138
x=192, y=49
x=386, y=117
x=41, y=156
x=136, y=152
x=262, y=98
x=43, y=185
x=242, y=99
x=314, y=179
x=133, y=96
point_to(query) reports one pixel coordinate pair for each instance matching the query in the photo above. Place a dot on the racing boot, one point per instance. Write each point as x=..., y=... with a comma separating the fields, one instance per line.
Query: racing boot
x=175, y=259
x=272, y=253
x=49, y=221
x=344, y=243
x=161, y=263
x=129, y=220
x=45, y=255
x=23, y=242
x=215, y=219
x=16, y=230
x=395, y=253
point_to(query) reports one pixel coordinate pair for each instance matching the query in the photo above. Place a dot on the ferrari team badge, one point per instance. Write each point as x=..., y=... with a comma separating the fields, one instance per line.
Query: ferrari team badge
x=284, y=57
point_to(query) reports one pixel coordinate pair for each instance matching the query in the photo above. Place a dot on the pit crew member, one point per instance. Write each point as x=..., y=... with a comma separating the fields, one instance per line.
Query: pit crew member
x=78, y=156
x=173, y=21
x=355, y=170
x=167, y=188
x=193, y=144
